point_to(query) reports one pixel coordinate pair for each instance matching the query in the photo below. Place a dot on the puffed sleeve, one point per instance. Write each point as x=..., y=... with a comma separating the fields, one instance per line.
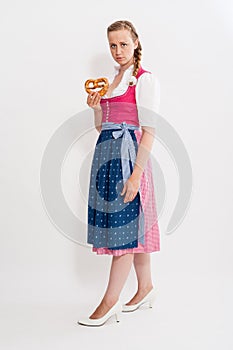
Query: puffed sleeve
x=148, y=99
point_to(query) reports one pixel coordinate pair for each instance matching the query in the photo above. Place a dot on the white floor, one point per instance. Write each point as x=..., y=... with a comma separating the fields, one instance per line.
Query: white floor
x=190, y=313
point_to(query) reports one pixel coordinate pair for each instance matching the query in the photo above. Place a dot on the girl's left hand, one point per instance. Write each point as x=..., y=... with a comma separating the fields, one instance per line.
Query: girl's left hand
x=131, y=188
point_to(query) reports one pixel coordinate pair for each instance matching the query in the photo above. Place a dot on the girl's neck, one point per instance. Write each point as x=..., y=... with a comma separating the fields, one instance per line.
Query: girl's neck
x=123, y=68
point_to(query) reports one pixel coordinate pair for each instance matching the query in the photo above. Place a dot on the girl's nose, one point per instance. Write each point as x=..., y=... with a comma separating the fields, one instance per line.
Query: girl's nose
x=118, y=50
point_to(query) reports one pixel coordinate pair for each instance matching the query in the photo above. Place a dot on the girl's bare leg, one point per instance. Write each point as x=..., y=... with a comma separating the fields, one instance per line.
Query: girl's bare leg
x=143, y=271
x=120, y=269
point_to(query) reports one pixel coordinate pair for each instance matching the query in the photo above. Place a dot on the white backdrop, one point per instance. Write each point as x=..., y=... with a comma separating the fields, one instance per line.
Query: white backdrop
x=48, y=49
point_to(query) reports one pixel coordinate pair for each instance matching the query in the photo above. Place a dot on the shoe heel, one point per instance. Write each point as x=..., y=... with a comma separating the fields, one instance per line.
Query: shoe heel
x=152, y=301
x=117, y=316
x=151, y=304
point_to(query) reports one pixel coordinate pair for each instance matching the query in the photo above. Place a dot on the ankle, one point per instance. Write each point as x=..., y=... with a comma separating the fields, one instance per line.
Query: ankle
x=145, y=288
x=110, y=301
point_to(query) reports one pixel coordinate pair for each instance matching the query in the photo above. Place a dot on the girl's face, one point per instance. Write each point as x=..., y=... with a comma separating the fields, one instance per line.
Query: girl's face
x=122, y=46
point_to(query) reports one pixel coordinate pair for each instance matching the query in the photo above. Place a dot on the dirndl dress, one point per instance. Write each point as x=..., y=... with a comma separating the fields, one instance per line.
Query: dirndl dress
x=114, y=227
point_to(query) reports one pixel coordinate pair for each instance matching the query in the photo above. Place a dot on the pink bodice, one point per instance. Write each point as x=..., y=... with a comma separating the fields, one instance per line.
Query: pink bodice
x=122, y=108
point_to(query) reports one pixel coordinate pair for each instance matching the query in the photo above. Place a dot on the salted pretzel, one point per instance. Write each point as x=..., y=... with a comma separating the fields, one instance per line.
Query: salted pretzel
x=100, y=83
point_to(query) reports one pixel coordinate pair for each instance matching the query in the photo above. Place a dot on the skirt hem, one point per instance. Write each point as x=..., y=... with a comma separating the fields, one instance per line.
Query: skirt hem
x=107, y=251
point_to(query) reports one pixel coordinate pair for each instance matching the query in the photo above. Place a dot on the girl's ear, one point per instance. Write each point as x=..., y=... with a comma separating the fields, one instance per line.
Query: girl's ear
x=135, y=44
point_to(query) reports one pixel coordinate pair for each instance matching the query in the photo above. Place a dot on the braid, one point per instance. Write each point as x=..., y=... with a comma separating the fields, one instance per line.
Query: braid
x=137, y=59
x=138, y=51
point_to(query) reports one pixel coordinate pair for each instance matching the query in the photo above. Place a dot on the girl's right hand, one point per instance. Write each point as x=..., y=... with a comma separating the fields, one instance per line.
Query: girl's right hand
x=93, y=100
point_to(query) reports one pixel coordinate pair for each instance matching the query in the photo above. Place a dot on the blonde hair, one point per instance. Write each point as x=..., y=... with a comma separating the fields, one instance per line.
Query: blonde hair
x=118, y=25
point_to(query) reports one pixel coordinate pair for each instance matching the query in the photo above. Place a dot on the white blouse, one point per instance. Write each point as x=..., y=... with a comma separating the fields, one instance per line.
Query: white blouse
x=147, y=94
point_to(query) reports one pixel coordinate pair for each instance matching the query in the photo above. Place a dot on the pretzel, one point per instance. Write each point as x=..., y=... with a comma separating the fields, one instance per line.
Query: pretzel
x=100, y=83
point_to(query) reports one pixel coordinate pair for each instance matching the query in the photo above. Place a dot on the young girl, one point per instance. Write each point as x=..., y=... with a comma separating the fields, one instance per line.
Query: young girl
x=122, y=217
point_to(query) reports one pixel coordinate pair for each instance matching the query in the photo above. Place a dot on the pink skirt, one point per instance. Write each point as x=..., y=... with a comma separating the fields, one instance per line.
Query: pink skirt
x=151, y=227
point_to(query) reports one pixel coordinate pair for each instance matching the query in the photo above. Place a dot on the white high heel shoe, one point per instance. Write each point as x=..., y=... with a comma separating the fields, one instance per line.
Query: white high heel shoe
x=115, y=310
x=149, y=298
